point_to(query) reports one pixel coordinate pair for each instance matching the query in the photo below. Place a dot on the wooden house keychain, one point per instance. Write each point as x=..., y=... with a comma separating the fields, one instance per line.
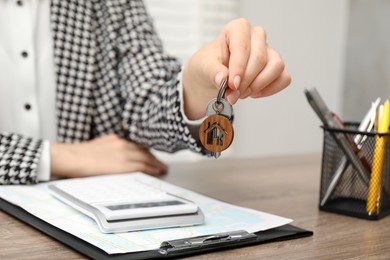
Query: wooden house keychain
x=216, y=131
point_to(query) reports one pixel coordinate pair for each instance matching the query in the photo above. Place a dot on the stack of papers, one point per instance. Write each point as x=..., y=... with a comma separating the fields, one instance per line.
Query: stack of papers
x=219, y=217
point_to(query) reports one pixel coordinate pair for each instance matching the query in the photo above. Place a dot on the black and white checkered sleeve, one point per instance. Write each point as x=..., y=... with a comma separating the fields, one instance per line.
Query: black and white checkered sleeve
x=19, y=158
x=147, y=80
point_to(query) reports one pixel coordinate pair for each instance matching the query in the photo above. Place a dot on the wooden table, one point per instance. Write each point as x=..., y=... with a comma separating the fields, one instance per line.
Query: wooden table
x=286, y=186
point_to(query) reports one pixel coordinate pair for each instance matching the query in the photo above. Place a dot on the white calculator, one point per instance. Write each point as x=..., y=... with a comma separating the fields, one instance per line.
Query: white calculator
x=121, y=203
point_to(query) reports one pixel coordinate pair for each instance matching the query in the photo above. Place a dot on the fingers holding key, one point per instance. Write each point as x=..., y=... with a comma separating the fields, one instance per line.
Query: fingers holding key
x=255, y=68
x=241, y=53
x=248, y=54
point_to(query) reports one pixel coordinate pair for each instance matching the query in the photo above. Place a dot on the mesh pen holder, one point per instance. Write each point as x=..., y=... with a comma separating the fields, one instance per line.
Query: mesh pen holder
x=344, y=188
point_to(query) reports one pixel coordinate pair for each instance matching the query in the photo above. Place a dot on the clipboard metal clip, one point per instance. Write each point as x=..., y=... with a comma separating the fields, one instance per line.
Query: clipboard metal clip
x=188, y=244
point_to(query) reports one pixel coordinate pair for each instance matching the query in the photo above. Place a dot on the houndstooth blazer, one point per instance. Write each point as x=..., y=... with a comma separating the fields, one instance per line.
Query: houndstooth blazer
x=112, y=77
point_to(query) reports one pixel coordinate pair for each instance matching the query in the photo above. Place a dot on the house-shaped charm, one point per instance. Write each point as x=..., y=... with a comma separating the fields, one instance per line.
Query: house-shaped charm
x=216, y=133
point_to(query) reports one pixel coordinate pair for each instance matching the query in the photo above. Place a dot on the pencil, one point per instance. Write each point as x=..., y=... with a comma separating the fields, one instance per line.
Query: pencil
x=374, y=189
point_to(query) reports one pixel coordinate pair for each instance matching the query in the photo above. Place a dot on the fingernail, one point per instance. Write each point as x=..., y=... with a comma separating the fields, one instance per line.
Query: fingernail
x=233, y=97
x=236, y=82
x=218, y=78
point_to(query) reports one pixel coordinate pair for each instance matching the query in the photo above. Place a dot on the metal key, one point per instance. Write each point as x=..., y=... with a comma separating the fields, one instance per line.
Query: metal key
x=219, y=113
x=224, y=108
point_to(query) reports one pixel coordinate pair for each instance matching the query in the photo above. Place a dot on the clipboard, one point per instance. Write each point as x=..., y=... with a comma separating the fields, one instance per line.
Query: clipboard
x=168, y=249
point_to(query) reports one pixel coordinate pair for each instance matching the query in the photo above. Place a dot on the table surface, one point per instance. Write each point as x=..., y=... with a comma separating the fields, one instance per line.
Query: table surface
x=285, y=186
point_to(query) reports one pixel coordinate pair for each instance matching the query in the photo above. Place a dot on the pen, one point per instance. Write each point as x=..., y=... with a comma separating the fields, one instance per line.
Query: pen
x=365, y=126
x=372, y=204
x=367, y=123
x=351, y=151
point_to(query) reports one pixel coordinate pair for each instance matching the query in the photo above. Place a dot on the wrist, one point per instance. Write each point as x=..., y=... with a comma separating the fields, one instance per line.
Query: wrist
x=197, y=92
x=63, y=160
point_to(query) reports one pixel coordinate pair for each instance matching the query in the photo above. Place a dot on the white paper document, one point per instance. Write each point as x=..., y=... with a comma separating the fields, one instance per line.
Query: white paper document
x=219, y=217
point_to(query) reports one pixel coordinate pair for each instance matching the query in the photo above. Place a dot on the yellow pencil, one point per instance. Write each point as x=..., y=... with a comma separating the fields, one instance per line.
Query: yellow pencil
x=374, y=189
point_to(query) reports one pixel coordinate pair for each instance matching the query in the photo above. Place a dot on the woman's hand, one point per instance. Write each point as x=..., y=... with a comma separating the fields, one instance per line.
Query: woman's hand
x=106, y=155
x=241, y=52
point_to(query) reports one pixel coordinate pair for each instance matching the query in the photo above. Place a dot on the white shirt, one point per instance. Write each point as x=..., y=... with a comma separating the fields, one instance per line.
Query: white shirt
x=27, y=77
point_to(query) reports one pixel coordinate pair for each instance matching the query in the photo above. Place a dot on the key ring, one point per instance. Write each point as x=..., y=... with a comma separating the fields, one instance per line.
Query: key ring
x=222, y=90
x=218, y=105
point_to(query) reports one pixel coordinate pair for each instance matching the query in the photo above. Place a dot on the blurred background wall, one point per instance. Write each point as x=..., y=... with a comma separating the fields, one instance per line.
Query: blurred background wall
x=312, y=36
x=367, y=74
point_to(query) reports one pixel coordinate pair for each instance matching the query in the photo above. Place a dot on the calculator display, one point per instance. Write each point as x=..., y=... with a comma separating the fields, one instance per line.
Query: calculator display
x=144, y=205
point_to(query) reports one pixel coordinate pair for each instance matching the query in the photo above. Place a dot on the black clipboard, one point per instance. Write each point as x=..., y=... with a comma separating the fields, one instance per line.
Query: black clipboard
x=168, y=249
